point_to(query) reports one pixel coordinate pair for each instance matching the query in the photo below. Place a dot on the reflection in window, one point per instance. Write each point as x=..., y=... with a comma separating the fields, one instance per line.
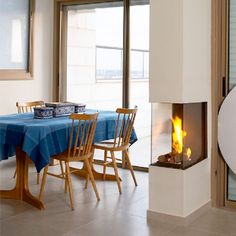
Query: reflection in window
x=16, y=42
x=232, y=83
x=109, y=63
x=232, y=43
x=136, y=64
x=146, y=64
x=14, y=34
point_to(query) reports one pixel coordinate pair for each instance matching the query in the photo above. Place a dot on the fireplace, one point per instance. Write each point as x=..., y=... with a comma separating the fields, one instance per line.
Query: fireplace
x=179, y=134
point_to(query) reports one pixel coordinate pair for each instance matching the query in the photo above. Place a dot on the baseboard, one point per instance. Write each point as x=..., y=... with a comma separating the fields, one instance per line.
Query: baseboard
x=153, y=217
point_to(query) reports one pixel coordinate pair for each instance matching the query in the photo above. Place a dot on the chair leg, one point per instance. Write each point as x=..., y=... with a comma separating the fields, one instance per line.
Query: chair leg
x=87, y=175
x=116, y=171
x=62, y=169
x=86, y=161
x=38, y=178
x=86, y=182
x=130, y=167
x=90, y=162
x=43, y=182
x=63, y=175
x=68, y=177
x=104, y=165
x=14, y=176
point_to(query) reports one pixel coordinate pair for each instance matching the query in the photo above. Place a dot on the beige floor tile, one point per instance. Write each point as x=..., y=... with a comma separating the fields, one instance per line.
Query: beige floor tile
x=217, y=221
x=186, y=231
x=115, y=214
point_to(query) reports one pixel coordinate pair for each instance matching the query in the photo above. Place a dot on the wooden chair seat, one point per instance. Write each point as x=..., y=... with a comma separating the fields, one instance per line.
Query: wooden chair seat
x=109, y=145
x=64, y=156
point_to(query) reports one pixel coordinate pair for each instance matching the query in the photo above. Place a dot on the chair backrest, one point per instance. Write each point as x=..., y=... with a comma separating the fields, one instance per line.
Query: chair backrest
x=23, y=107
x=81, y=135
x=124, y=126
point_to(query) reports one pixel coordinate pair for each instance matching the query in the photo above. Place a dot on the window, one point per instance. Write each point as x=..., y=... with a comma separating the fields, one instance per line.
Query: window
x=109, y=61
x=232, y=43
x=139, y=64
x=16, y=39
x=231, y=181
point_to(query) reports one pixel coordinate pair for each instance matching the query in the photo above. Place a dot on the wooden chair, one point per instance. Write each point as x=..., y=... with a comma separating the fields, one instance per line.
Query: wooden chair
x=79, y=149
x=23, y=107
x=120, y=142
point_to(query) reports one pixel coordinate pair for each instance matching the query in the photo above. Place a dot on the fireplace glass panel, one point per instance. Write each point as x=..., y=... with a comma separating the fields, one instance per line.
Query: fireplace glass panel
x=179, y=134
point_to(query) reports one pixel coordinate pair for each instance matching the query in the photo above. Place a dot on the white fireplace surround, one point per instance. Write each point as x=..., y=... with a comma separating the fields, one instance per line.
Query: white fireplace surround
x=180, y=50
x=179, y=192
x=180, y=72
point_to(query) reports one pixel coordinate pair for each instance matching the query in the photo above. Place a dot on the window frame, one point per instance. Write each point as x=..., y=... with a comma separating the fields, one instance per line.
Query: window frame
x=21, y=74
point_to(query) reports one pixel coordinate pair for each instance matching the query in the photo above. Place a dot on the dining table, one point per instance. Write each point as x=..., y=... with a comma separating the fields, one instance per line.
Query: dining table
x=28, y=138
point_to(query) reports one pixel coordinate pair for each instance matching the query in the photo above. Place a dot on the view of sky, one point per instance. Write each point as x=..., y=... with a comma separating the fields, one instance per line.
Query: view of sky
x=109, y=27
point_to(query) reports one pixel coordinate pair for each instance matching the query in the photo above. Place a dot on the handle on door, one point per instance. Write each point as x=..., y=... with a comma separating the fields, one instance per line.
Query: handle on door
x=224, y=87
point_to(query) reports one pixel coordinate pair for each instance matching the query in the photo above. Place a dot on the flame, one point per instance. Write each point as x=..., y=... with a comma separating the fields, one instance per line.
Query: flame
x=188, y=153
x=178, y=137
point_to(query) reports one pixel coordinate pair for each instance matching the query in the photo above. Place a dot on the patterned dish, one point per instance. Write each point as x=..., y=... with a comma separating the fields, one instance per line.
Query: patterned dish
x=79, y=107
x=43, y=112
x=61, y=108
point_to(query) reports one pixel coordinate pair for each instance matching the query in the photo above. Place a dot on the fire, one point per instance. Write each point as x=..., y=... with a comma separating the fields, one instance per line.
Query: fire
x=178, y=137
x=188, y=153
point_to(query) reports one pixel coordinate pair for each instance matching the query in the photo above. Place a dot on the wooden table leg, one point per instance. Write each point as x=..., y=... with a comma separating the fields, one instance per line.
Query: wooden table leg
x=21, y=190
x=97, y=175
x=83, y=172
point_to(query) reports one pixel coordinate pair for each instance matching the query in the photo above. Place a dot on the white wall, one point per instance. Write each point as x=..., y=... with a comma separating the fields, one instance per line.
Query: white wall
x=166, y=47
x=196, y=67
x=40, y=88
x=180, y=50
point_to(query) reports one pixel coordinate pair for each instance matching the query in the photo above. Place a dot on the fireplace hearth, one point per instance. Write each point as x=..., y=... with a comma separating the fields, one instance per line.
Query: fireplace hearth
x=187, y=134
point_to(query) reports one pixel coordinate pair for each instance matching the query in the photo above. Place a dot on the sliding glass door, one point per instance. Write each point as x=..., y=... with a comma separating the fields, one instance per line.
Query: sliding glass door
x=231, y=186
x=139, y=81
x=104, y=62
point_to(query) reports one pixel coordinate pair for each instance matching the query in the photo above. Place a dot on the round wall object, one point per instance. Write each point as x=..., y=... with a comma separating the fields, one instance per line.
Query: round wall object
x=227, y=129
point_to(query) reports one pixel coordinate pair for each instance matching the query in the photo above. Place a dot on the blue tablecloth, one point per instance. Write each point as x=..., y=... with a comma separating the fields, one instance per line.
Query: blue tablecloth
x=41, y=139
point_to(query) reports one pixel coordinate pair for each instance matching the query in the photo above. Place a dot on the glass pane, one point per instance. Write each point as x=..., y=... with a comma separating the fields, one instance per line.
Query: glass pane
x=232, y=43
x=137, y=64
x=231, y=185
x=161, y=130
x=146, y=65
x=14, y=34
x=94, y=55
x=139, y=82
x=232, y=82
x=108, y=63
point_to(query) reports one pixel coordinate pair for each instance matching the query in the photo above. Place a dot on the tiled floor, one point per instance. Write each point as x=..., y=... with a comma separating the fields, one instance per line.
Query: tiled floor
x=116, y=215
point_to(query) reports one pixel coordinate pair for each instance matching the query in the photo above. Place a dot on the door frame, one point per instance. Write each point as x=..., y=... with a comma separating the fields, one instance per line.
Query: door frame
x=219, y=86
